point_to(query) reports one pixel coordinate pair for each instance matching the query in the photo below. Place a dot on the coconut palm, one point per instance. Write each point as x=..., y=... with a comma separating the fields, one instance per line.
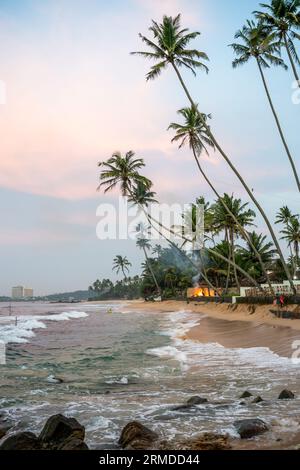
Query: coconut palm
x=121, y=263
x=224, y=221
x=282, y=17
x=284, y=217
x=193, y=133
x=122, y=170
x=257, y=43
x=169, y=47
x=292, y=235
x=248, y=256
x=145, y=245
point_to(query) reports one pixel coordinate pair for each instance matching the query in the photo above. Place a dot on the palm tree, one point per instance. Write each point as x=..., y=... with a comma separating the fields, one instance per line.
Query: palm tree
x=145, y=245
x=121, y=263
x=284, y=217
x=283, y=18
x=193, y=133
x=248, y=256
x=224, y=221
x=157, y=250
x=169, y=47
x=122, y=170
x=292, y=235
x=264, y=47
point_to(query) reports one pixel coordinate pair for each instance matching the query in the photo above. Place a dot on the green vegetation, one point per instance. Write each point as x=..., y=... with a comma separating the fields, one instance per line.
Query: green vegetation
x=234, y=253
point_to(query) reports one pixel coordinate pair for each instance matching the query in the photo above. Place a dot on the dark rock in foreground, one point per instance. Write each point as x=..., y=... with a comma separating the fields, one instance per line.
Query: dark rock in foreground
x=246, y=394
x=196, y=400
x=58, y=428
x=136, y=436
x=286, y=395
x=21, y=441
x=206, y=441
x=59, y=433
x=257, y=400
x=248, y=428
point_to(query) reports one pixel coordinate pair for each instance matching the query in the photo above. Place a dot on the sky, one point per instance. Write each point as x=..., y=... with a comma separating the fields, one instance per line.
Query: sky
x=74, y=95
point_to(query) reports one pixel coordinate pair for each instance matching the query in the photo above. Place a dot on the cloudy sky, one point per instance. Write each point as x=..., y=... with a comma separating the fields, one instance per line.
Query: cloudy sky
x=74, y=95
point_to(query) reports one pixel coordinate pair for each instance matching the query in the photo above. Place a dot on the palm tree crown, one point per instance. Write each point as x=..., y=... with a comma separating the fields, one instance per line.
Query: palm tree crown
x=192, y=131
x=169, y=46
x=282, y=17
x=257, y=43
x=121, y=263
x=142, y=195
x=124, y=171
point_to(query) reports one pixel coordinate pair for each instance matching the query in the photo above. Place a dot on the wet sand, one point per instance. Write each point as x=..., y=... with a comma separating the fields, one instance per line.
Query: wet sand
x=233, y=329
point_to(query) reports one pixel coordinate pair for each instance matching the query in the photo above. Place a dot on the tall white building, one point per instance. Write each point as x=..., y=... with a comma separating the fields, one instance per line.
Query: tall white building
x=21, y=292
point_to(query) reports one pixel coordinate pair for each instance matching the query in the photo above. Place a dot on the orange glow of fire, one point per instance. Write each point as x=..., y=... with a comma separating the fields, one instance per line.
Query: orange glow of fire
x=201, y=292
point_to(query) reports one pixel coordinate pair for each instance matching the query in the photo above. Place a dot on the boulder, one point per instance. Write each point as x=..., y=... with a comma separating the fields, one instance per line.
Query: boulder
x=196, y=400
x=21, y=441
x=246, y=394
x=257, y=400
x=73, y=443
x=248, y=428
x=206, y=441
x=183, y=408
x=58, y=428
x=136, y=436
x=286, y=395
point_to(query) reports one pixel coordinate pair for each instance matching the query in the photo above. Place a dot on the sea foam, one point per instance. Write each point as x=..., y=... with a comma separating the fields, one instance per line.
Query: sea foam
x=22, y=329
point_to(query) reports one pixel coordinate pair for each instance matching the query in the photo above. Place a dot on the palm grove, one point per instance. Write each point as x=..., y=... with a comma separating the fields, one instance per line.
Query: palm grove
x=234, y=253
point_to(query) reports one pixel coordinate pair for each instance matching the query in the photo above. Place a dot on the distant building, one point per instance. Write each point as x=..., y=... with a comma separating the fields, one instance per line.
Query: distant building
x=28, y=292
x=21, y=292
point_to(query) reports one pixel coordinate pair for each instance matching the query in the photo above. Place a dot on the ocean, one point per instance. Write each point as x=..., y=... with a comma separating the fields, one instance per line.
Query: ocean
x=117, y=365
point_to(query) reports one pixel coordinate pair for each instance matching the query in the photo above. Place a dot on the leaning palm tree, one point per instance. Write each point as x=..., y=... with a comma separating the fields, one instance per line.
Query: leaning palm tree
x=257, y=43
x=282, y=17
x=169, y=47
x=145, y=245
x=121, y=263
x=193, y=133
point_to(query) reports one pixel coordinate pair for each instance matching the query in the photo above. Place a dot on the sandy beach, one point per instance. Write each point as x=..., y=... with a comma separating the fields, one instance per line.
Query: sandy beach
x=236, y=328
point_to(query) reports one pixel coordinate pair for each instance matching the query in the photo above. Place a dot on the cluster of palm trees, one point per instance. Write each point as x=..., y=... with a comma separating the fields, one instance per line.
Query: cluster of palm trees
x=263, y=39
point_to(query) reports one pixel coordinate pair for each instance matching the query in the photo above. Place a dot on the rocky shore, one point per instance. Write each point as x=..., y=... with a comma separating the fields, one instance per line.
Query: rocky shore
x=66, y=433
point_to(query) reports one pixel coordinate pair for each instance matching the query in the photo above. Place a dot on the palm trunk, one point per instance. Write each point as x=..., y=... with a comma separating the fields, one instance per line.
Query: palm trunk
x=241, y=179
x=149, y=218
x=239, y=226
x=213, y=252
x=229, y=267
x=291, y=59
x=233, y=259
x=151, y=271
x=279, y=126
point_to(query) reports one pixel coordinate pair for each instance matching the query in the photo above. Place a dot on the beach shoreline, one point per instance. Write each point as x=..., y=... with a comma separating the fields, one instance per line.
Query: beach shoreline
x=238, y=328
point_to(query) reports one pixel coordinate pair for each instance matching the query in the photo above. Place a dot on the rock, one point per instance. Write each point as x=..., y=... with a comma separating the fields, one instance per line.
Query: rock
x=21, y=441
x=257, y=400
x=135, y=436
x=72, y=443
x=54, y=380
x=248, y=428
x=246, y=395
x=183, y=408
x=196, y=400
x=286, y=395
x=58, y=428
x=4, y=426
x=206, y=441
